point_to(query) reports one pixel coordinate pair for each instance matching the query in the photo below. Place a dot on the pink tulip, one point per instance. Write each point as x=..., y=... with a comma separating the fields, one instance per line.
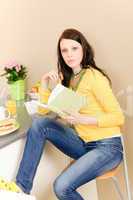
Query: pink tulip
x=18, y=68
x=12, y=64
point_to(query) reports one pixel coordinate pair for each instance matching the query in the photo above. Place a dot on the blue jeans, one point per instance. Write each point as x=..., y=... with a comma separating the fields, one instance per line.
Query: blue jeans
x=92, y=158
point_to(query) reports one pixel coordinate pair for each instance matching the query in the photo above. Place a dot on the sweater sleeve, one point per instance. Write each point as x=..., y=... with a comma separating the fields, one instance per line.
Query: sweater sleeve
x=112, y=114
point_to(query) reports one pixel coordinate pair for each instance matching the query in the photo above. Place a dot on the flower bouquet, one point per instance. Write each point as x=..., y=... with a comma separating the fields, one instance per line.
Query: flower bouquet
x=16, y=75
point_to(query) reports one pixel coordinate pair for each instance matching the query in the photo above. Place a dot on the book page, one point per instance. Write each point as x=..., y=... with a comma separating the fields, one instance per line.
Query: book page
x=57, y=90
x=64, y=99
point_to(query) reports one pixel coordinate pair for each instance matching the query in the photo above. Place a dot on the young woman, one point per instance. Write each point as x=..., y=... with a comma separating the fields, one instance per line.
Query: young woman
x=93, y=138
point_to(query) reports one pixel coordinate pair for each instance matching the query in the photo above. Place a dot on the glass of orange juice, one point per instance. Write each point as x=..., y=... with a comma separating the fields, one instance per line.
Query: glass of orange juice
x=11, y=107
x=43, y=98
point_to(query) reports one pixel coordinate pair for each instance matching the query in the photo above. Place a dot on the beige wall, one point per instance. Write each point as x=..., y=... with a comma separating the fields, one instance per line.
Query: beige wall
x=29, y=32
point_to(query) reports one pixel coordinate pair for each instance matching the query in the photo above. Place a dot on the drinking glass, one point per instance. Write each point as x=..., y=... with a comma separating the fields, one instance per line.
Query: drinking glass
x=11, y=108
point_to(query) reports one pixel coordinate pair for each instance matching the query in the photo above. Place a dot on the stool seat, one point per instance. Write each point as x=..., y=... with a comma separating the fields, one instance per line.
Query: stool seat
x=109, y=174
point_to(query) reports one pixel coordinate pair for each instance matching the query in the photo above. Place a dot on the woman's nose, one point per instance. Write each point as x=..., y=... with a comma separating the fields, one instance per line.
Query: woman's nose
x=69, y=53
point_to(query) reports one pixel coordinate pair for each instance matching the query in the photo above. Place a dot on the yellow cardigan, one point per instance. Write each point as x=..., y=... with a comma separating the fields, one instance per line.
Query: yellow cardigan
x=102, y=104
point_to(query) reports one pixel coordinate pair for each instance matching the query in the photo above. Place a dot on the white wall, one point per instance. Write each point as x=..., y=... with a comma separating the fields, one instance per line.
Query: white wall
x=29, y=32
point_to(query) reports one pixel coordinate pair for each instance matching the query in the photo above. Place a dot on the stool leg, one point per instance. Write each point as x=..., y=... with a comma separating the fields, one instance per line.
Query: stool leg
x=116, y=183
x=126, y=171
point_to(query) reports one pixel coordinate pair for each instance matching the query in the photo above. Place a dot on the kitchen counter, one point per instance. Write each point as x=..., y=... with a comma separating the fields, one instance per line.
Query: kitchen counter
x=24, y=120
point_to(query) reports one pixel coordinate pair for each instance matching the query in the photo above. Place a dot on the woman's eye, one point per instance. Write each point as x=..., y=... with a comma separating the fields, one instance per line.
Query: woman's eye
x=64, y=50
x=75, y=48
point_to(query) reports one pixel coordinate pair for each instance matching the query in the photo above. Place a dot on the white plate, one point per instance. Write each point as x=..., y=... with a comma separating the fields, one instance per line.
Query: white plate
x=33, y=95
x=6, y=132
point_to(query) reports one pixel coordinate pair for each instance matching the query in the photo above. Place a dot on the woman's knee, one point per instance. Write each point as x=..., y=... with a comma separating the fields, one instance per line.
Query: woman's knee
x=61, y=187
x=39, y=124
x=58, y=187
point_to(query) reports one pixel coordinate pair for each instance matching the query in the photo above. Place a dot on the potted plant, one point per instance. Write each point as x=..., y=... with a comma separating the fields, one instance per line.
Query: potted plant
x=16, y=75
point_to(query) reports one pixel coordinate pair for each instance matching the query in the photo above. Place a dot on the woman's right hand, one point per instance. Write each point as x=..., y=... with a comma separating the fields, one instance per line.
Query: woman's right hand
x=51, y=79
x=52, y=75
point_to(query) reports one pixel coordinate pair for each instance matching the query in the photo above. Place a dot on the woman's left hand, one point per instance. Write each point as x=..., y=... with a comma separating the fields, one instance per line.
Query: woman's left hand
x=77, y=118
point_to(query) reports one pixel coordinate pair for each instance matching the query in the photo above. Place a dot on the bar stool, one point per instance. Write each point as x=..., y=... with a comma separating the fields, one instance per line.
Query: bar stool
x=112, y=174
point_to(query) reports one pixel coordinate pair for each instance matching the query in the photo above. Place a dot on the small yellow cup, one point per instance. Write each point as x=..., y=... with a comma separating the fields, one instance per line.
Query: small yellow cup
x=11, y=107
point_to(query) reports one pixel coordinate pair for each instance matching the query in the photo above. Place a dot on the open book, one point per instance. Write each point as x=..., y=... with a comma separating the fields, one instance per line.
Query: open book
x=63, y=100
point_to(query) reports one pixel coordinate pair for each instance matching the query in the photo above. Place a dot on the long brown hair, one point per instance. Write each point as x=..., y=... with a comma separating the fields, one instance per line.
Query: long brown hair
x=88, y=55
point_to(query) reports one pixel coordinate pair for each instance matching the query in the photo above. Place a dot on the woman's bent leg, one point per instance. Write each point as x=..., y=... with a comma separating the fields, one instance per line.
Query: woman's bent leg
x=45, y=129
x=86, y=168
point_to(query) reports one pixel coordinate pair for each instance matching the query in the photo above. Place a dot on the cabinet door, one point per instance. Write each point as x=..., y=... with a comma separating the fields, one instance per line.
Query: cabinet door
x=10, y=157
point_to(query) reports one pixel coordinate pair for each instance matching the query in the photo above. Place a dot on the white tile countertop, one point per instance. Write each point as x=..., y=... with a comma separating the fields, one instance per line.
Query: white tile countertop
x=24, y=119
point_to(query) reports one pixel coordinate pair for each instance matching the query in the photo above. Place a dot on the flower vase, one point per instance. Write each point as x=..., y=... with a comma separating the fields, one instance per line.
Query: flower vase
x=17, y=90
